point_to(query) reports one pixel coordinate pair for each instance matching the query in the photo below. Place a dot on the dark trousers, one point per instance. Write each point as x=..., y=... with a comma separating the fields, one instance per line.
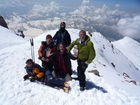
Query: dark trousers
x=55, y=82
x=82, y=66
x=47, y=65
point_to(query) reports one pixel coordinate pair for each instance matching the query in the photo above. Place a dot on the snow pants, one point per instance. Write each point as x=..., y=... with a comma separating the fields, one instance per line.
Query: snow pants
x=82, y=66
x=47, y=65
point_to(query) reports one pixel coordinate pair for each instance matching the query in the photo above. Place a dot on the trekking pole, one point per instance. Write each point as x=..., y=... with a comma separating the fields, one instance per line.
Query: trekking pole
x=32, y=49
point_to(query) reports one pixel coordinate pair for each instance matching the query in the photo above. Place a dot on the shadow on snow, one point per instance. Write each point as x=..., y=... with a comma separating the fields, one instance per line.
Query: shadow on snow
x=91, y=85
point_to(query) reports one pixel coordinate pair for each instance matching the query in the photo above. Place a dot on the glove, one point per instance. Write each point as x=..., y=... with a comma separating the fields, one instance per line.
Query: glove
x=40, y=57
x=26, y=77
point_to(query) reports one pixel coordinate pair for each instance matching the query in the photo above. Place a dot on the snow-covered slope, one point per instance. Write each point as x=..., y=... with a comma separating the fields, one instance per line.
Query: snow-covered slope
x=130, y=48
x=111, y=87
x=8, y=38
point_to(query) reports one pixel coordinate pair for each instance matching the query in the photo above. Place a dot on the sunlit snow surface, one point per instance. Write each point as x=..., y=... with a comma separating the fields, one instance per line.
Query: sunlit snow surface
x=111, y=88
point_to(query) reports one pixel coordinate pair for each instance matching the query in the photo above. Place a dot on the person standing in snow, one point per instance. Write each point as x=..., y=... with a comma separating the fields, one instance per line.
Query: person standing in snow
x=85, y=55
x=62, y=36
x=46, y=49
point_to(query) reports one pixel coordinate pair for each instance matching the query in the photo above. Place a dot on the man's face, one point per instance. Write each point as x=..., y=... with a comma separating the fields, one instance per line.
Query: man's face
x=82, y=36
x=61, y=47
x=62, y=25
x=29, y=64
x=48, y=40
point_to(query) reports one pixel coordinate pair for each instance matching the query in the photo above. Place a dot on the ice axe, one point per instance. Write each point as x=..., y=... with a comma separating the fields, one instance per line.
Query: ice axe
x=32, y=49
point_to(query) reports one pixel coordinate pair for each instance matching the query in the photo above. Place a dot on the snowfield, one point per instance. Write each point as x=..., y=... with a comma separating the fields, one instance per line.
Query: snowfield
x=130, y=49
x=8, y=38
x=113, y=87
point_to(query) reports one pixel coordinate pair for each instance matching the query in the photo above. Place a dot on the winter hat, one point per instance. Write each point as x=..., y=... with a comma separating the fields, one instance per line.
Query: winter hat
x=48, y=37
x=62, y=24
x=29, y=60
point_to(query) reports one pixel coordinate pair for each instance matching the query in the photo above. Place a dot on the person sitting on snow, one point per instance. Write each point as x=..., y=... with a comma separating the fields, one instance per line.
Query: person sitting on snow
x=34, y=71
x=47, y=47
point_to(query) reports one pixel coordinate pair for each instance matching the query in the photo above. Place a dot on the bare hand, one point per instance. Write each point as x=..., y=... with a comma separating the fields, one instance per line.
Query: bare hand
x=47, y=60
x=86, y=63
x=48, y=53
x=43, y=59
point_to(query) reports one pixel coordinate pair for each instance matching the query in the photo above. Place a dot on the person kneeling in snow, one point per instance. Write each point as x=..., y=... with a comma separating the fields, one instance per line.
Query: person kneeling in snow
x=62, y=63
x=34, y=71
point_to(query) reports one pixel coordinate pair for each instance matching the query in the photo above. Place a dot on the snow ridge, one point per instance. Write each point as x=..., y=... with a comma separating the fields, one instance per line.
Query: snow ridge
x=111, y=87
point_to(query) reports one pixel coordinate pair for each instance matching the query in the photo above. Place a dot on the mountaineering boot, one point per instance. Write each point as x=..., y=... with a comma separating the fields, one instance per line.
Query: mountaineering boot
x=82, y=88
x=66, y=87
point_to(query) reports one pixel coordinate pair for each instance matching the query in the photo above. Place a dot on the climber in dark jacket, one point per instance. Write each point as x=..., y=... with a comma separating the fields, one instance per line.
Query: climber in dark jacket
x=62, y=35
x=46, y=49
x=62, y=63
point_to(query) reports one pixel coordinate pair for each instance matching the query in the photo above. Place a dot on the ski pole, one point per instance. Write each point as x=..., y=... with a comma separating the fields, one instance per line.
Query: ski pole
x=32, y=49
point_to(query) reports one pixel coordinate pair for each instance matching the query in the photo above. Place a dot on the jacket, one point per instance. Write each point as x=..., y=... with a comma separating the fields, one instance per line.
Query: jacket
x=32, y=70
x=86, y=51
x=59, y=59
x=43, y=48
x=62, y=36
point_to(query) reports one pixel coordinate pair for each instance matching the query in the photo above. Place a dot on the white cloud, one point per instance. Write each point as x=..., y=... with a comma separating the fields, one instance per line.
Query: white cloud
x=130, y=27
x=44, y=10
x=16, y=3
x=107, y=20
x=85, y=8
x=117, y=5
x=102, y=15
x=85, y=2
x=15, y=19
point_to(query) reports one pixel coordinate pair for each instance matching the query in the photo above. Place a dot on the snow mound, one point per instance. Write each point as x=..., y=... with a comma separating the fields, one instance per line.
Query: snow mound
x=113, y=57
x=111, y=87
x=130, y=48
x=8, y=38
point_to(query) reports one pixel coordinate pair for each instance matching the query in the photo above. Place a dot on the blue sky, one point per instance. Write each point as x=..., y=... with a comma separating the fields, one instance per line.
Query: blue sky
x=122, y=2
x=128, y=5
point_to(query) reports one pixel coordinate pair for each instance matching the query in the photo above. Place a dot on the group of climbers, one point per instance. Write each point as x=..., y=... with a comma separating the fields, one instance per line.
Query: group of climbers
x=55, y=56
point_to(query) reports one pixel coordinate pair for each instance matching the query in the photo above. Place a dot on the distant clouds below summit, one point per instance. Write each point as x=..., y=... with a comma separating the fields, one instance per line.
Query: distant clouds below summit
x=112, y=18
